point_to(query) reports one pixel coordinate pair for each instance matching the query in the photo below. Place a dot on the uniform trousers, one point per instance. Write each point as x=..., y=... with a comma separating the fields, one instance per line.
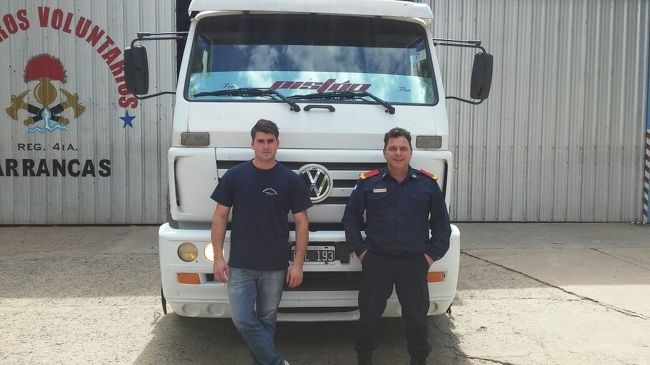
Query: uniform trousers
x=409, y=276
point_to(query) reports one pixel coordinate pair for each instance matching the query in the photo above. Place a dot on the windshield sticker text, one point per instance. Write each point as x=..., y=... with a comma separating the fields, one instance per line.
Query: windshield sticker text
x=320, y=87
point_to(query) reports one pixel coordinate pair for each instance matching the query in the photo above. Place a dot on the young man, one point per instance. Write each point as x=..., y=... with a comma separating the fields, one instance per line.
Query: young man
x=261, y=192
x=402, y=205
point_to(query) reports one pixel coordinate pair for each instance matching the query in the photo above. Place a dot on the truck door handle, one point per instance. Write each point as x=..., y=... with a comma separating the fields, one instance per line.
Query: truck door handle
x=312, y=106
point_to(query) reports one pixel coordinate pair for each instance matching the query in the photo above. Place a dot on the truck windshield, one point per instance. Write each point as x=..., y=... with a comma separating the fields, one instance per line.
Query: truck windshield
x=305, y=54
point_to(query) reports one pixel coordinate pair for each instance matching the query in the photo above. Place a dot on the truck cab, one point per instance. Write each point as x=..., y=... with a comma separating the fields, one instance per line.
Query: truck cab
x=334, y=76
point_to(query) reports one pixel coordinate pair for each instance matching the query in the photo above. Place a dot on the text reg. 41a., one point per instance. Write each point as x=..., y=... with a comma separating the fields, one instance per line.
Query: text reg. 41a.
x=40, y=147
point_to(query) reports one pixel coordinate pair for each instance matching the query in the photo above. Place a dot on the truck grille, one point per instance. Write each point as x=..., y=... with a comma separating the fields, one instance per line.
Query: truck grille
x=344, y=175
x=328, y=281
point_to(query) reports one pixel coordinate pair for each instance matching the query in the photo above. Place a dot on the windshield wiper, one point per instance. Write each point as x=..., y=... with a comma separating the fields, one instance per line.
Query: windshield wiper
x=250, y=92
x=341, y=95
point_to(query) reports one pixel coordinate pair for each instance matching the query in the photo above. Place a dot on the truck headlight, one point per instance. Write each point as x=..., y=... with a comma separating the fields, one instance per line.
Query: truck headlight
x=209, y=252
x=187, y=251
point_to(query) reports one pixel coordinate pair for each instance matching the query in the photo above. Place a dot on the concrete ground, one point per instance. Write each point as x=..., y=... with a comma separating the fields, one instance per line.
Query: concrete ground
x=528, y=294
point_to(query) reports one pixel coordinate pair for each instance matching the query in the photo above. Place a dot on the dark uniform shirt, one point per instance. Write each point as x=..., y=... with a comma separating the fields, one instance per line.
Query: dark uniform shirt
x=399, y=215
x=260, y=200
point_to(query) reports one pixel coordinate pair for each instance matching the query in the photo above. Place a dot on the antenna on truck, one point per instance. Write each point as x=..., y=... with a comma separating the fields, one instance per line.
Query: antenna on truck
x=481, y=69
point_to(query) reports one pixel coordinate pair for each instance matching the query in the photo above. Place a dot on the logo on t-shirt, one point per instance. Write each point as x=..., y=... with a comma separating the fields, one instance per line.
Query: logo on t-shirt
x=270, y=192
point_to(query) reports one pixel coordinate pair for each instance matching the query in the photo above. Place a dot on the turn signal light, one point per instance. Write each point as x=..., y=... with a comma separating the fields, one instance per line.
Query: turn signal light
x=188, y=278
x=195, y=139
x=435, y=276
x=428, y=142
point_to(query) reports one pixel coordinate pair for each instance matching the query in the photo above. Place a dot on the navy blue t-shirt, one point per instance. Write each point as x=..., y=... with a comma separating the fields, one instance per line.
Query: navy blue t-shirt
x=261, y=201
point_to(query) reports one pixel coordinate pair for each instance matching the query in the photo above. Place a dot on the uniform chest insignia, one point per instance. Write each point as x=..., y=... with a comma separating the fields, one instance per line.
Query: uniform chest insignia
x=367, y=174
x=427, y=173
x=379, y=190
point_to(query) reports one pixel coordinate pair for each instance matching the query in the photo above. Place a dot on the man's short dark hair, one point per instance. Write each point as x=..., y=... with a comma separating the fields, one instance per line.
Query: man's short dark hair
x=266, y=126
x=397, y=132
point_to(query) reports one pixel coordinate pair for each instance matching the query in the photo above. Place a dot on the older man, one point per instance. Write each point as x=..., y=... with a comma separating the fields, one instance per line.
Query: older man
x=402, y=206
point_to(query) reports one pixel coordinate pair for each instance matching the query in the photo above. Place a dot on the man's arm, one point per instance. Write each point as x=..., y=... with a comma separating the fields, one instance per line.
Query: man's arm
x=294, y=275
x=439, y=226
x=353, y=222
x=218, y=234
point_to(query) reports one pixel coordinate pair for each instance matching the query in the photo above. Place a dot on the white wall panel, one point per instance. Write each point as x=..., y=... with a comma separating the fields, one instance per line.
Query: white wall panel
x=561, y=136
x=134, y=192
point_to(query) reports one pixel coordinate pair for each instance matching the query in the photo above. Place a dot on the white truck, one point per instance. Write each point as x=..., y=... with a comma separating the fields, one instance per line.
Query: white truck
x=335, y=75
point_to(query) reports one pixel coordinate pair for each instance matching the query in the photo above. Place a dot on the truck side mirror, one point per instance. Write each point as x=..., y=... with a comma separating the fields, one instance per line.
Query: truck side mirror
x=136, y=70
x=481, y=76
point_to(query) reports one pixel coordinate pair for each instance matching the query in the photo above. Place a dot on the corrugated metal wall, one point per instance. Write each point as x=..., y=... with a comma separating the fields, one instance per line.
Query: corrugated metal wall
x=103, y=167
x=561, y=136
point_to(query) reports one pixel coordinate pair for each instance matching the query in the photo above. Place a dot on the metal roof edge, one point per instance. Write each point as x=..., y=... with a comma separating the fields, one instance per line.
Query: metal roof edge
x=389, y=8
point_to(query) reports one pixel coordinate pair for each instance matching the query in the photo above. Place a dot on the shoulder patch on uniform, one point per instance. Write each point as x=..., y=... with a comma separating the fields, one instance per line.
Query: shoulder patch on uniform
x=367, y=174
x=427, y=173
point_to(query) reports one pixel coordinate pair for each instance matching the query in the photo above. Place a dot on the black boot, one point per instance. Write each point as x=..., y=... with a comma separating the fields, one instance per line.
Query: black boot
x=364, y=358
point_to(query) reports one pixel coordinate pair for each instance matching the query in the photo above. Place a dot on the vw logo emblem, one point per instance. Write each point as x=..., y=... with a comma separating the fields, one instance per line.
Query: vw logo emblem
x=318, y=181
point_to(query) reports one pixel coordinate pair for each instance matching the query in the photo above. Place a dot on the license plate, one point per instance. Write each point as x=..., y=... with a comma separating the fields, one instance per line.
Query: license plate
x=316, y=254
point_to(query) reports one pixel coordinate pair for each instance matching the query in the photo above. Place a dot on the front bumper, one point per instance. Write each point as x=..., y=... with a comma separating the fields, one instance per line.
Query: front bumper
x=209, y=298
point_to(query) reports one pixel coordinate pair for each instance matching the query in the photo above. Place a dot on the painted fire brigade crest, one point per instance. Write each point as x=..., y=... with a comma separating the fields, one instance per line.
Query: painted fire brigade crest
x=45, y=69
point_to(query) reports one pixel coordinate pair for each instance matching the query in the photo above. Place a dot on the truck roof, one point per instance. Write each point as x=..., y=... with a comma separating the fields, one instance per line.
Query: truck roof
x=388, y=8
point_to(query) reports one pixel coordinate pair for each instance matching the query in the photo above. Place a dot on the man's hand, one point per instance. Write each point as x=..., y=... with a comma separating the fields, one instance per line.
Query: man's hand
x=294, y=276
x=221, y=270
x=429, y=259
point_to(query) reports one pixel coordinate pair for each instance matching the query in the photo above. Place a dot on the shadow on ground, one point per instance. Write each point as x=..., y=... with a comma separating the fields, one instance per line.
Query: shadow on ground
x=179, y=340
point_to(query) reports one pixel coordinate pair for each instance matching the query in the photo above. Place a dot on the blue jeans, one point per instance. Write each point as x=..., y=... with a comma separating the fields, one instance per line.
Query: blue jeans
x=254, y=300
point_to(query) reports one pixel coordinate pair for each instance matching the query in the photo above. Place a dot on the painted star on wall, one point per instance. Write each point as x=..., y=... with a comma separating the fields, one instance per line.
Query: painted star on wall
x=127, y=119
